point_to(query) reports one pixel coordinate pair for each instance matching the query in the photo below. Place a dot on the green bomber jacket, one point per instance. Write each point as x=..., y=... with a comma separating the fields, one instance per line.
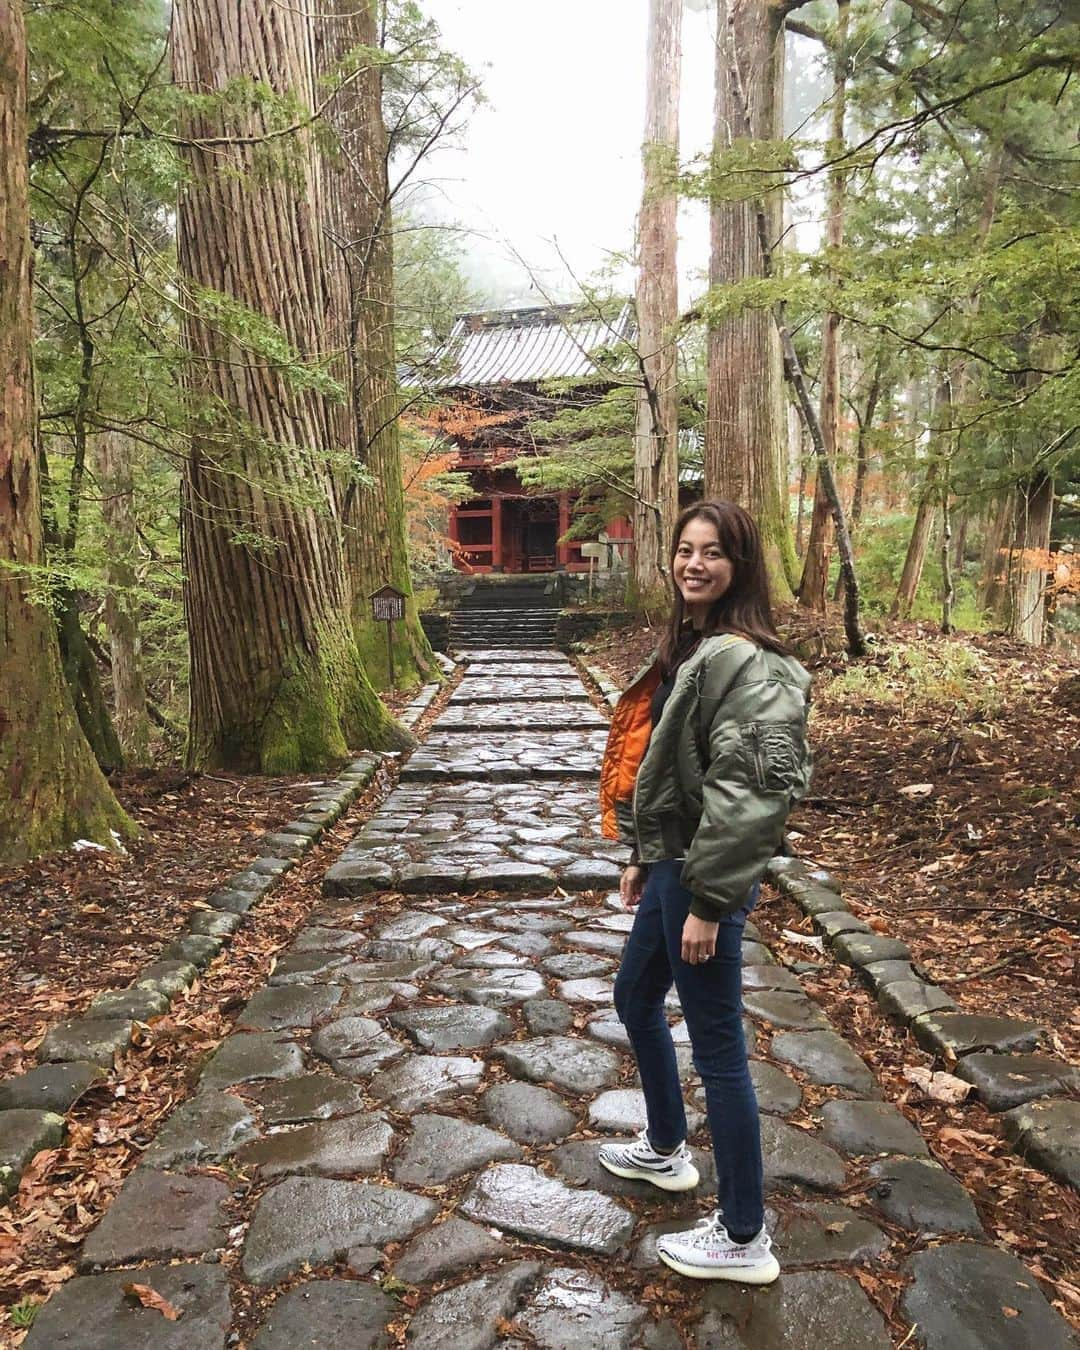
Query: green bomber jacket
x=723, y=767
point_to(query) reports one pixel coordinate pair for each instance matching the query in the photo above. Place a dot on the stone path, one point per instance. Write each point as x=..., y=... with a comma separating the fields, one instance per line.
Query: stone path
x=399, y=1138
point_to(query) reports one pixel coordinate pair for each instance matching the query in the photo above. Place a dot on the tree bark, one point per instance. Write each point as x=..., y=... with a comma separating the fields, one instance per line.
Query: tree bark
x=51, y=789
x=116, y=486
x=359, y=229
x=1027, y=571
x=656, y=435
x=815, y=574
x=993, y=590
x=277, y=681
x=745, y=427
x=925, y=515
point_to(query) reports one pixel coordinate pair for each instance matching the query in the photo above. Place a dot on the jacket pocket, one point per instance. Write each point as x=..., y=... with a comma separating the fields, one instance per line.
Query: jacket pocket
x=775, y=754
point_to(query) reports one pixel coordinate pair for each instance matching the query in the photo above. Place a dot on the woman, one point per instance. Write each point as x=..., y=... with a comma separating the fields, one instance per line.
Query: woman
x=706, y=753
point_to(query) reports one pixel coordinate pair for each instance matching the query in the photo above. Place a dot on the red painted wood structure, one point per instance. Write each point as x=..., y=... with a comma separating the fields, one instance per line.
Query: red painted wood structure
x=494, y=364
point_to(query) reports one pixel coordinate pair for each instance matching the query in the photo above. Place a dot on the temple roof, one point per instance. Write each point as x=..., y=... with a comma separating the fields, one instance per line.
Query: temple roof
x=523, y=346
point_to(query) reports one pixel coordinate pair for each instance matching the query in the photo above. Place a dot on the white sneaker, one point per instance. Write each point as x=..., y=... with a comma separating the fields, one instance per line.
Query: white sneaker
x=640, y=1161
x=706, y=1252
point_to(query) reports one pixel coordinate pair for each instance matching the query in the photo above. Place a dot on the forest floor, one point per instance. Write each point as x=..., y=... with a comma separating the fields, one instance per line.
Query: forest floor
x=946, y=800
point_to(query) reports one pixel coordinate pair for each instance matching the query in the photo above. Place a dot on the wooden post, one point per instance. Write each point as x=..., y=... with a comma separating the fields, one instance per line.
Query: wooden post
x=496, y=534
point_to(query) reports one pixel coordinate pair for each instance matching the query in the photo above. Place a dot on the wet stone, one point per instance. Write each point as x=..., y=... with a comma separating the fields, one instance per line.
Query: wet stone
x=1003, y=1081
x=453, y=1028
x=908, y=999
x=923, y=1196
x=528, y=944
x=609, y=943
x=210, y=924
x=831, y=923
x=195, y=949
x=445, y=1250
x=169, y=978
x=507, y=689
x=622, y=1110
x=205, y=1128
x=783, y=1009
x=528, y=1113
x=803, y=1310
x=966, y=1296
x=490, y=960
x=862, y=1128
x=157, y=1216
x=410, y=924
x=511, y=875
x=575, y=1310
x=443, y=1147
x=313, y=1096
x=305, y=967
x=879, y=974
x=757, y=954
x=310, y=1219
x=87, y=1039
x=493, y=988
x=471, y=1316
x=793, y=1156
x=245, y=1056
x=823, y=1233
x=1048, y=1134
x=290, y=1005
x=606, y=1027
x=92, y=1312
x=825, y=1058
x=357, y=876
x=319, y=938
x=563, y=1061
x=51, y=1087
x=23, y=1133
x=547, y=1016
x=356, y=1143
x=587, y=991
x=425, y=1079
x=521, y=1200
x=776, y=1092
x=860, y=949
x=770, y=977
x=961, y=1033
x=328, y=1315
x=355, y=1046
x=232, y=901
x=358, y=1000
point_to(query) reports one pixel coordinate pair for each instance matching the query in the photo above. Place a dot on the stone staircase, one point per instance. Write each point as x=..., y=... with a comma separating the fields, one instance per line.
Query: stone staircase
x=516, y=611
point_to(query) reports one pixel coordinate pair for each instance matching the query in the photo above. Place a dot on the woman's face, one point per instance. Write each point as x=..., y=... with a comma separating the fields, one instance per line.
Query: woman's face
x=702, y=572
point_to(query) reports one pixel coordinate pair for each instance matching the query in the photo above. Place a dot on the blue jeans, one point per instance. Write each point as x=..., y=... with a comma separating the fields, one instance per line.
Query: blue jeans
x=711, y=998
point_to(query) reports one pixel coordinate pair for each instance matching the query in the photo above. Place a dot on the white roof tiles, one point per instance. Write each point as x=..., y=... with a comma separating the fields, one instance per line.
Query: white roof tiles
x=522, y=346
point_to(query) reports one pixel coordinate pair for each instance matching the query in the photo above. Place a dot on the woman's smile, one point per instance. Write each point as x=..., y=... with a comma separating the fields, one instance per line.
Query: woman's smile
x=702, y=571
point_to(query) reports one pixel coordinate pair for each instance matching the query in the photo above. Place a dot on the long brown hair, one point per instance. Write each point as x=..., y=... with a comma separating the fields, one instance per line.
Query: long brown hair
x=745, y=608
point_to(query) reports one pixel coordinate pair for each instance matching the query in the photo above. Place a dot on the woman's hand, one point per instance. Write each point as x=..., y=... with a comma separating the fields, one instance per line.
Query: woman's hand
x=698, y=940
x=631, y=884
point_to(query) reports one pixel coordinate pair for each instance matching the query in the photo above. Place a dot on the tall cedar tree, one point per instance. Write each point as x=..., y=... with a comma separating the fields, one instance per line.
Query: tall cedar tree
x=277, y=682
x=746, y=415
x=359, y=227
x=656, y=437
x=51, y=789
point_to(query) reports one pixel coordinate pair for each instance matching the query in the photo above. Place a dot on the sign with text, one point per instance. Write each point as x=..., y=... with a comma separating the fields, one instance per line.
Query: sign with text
x=387, y=604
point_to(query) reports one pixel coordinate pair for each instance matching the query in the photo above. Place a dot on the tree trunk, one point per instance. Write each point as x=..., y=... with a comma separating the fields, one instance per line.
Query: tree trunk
x=993, y=590
x=115, y=483
x=51, y=789
x=925, y=515
x=656, y=435
x=358, y=227
x=1027, y=573
x=745, y=425
x=862, y=455
x=277, y=682
x=815, y=574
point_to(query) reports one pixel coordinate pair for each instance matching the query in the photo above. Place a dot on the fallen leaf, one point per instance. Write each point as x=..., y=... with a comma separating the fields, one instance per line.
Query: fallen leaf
x=150, y=1298
x=940, y=1087
x=916, y=790
x=1010, y=1312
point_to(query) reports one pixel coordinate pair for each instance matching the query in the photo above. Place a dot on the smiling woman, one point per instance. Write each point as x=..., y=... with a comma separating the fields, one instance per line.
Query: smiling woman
x=706, y=755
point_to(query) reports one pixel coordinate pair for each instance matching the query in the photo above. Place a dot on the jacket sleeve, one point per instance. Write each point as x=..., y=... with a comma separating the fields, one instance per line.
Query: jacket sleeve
x=758, y=766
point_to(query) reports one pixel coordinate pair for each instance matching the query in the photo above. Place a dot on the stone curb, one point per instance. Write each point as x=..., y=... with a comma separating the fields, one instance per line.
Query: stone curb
x=608, y=688
x=992, y=1053
x=78, y=1053
x=414, y=710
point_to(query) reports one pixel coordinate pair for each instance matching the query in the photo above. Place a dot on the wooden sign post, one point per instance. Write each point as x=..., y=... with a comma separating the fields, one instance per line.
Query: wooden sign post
x=387, y=606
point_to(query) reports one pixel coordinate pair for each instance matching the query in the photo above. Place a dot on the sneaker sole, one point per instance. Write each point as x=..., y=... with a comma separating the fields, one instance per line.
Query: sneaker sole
x=686, y=1182
x=763, y=1274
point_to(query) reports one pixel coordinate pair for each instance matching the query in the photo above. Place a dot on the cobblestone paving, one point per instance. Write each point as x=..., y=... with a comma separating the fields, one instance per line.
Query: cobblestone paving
x=399, y=1137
